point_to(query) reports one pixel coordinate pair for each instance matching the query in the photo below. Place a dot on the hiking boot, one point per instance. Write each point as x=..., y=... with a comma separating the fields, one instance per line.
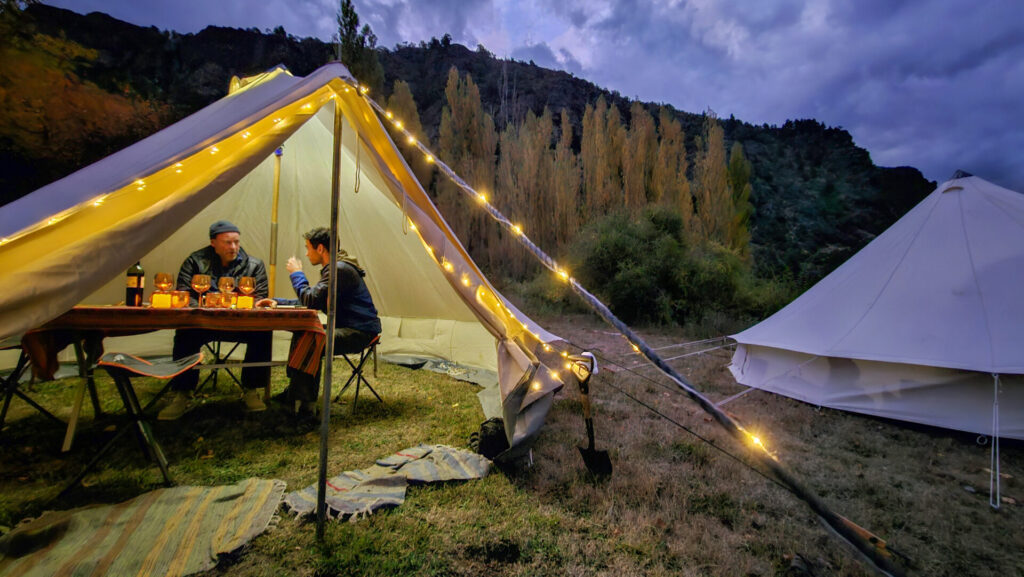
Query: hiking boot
x=176, y=407
x=253, y=402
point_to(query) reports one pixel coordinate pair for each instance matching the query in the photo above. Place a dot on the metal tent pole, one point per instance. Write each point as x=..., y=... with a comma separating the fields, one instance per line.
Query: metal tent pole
x=332, y=291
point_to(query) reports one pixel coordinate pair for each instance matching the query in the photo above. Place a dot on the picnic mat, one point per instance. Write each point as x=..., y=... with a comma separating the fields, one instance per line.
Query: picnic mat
x=353, y=494
x=173, y=531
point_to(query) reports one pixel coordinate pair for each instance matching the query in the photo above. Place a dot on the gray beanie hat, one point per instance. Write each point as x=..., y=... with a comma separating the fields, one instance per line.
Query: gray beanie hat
x=222, y=226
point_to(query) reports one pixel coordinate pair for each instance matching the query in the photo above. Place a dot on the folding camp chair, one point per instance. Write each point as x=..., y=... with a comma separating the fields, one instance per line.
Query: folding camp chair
x=218, y=361
x=121, y=368
x=357, y=372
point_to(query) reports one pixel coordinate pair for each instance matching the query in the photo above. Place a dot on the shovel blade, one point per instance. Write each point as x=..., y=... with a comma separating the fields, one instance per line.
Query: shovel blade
x=597, y=462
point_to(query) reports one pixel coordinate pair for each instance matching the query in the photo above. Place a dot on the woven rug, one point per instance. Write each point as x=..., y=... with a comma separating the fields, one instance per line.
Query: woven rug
x=173, y=531
x=358, y=493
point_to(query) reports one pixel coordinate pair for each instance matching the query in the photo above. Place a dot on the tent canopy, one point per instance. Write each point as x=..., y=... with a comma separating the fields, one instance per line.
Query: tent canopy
x=71, y=241
x=913, y=325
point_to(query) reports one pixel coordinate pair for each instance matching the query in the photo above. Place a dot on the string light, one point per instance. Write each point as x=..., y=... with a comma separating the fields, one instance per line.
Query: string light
x=518, y=229
x=447, y=266
x=465, y=280
x=536, y=386
x=565, y=275
x=245, y=135
x=565, y=355
x=364, y=89
x=412, y=140
x=636, y=349
x=389, y=115
x=214, y=150
x=481, y=197
x=398, y=124
x=547, y=348
x=430, y=158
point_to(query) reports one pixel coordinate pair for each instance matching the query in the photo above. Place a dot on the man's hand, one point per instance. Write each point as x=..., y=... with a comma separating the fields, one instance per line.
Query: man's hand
x=293, y=265
x=269, y=303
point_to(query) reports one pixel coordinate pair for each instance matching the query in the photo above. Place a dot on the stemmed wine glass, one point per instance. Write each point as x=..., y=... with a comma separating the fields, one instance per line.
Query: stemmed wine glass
x=247, y=284
x=226, y=284
x=201, y=284
x=162, y=282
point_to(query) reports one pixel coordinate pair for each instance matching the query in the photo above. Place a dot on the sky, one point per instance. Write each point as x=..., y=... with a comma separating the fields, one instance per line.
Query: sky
x=934, y=84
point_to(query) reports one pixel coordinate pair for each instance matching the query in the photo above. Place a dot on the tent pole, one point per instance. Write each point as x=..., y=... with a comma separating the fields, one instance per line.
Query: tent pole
x=332, y=291
x=273, y=219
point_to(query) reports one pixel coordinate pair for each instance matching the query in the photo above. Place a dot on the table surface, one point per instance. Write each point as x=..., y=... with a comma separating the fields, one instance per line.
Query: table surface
x=99, y=322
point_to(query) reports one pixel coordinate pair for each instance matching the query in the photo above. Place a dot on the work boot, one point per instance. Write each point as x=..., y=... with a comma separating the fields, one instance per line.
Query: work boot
x=176, y=407
x=305, y=409
x=253, y=402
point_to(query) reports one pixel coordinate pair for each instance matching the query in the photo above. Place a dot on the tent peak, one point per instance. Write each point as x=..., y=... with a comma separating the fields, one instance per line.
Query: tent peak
x=960, y=174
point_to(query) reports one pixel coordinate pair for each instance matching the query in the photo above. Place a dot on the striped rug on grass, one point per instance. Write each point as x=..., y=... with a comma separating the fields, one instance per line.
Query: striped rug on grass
x=359, y=493
x=173, y=531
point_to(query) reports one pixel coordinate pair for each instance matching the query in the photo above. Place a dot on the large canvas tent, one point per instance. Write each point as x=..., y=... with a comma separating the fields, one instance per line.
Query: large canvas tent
x=924, y=324
x=71, y=241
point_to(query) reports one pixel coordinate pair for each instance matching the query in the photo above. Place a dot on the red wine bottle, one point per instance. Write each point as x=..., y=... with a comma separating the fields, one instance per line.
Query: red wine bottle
x=135, y=285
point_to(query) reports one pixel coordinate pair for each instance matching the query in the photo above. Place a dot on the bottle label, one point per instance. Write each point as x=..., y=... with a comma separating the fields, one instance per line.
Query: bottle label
x=136, y=281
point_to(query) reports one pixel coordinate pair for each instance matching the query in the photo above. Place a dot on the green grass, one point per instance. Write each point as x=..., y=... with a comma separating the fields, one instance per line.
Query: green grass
x=674, y=505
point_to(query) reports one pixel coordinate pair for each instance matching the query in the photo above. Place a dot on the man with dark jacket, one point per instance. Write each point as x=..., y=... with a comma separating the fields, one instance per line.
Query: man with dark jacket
x=356, y=320
x=224, y=257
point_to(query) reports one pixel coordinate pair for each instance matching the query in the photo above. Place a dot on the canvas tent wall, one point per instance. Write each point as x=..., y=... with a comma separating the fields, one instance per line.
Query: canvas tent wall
x=71, y=241
x=916, y=325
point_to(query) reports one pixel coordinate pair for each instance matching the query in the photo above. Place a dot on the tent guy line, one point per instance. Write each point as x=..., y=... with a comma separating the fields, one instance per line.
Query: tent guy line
x=875, y=552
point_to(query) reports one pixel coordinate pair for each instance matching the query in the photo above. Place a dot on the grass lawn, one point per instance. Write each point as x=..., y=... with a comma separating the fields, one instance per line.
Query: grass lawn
x=675, y=505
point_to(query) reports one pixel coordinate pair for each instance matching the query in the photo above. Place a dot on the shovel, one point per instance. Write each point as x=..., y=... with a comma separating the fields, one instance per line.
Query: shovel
x=597, y=462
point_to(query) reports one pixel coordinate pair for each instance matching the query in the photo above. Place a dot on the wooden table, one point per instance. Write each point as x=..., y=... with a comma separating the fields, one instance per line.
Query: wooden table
x=89, y=325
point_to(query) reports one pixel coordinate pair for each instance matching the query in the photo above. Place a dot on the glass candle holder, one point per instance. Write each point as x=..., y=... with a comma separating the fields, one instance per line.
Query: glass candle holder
x=179, y=299
x=161, y=300
x=213, y=300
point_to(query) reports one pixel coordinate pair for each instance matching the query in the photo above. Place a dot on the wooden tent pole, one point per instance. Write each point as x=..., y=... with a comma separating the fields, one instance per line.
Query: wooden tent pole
x=273, y=220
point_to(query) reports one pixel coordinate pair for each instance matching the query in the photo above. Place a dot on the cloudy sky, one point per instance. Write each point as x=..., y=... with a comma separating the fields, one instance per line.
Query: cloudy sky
x=935, y=84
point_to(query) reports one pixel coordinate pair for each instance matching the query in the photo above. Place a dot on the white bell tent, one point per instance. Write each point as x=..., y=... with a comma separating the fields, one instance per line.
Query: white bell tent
x=70, y=242
x=924, y=324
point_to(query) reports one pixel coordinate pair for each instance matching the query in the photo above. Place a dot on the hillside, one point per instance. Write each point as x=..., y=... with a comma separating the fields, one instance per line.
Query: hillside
x=817, y=196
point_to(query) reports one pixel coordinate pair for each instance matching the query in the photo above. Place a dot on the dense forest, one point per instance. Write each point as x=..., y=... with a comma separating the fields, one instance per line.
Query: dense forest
x=691, y=212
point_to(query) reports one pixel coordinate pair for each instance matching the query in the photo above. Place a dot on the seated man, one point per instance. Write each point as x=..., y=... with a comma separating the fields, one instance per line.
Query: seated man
x=356, y=320
x=224, y=257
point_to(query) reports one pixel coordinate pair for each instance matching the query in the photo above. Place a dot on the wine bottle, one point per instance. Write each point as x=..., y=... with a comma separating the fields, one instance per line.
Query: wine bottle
x=135, y=284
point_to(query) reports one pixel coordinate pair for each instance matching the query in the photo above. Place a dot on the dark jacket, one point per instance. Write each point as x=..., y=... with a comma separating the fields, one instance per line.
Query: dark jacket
x=355, y=309
x=206, y=261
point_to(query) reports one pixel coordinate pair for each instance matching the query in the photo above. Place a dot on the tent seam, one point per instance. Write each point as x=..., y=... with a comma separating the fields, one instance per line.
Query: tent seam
x=892, y=273
x=977, y=287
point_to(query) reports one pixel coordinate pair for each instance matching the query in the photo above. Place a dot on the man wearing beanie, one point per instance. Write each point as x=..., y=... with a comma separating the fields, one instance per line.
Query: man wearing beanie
x=223, y=257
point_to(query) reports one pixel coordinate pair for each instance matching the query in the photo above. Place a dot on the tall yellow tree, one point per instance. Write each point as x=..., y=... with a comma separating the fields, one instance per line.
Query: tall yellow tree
x=711, y=183
x=669, y=183
x=638, y=157
x=565, y=185
x=468, y=141
x=403, y=106
x=524, y=171
x=592, y=145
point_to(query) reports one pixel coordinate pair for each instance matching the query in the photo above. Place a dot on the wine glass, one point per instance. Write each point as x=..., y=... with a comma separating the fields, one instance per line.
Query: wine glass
x=247, y=284
x=162, y=282
x=200, y=284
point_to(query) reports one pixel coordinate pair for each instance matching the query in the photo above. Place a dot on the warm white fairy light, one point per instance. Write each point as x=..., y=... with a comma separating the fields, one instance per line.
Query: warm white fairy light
x=481, y=197
x=430, y=158
x=447, y=266
x=536, y=385
x=398, y=124
x=364, y=89
x=214, y=150
x=547, y=348
x=389, y=115
x=245, y=135
x=518, y=229
x=564, y=274
x=465, y=280
x=412, y=140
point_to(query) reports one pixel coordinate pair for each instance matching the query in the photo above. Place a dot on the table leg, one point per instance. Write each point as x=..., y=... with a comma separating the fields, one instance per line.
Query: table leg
x=76, y=410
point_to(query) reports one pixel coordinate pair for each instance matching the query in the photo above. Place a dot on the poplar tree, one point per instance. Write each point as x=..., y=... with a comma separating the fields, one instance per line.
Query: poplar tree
x=669, y=183
x=357, y=47
x=711, y=183
x=739, y=184
x=403, y=106
x=524, y=172
x=565, y=184
x=468, y=141
x=638, y=157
